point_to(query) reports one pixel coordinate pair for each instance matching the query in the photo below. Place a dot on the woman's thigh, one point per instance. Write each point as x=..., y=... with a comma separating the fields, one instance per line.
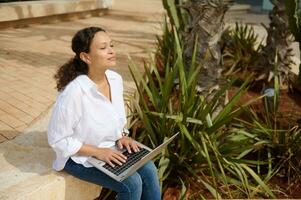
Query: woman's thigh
x=131, y=185
x=91, y=174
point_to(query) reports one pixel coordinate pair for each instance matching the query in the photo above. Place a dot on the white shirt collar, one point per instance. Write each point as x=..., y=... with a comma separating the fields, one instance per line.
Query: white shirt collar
x=87, y=84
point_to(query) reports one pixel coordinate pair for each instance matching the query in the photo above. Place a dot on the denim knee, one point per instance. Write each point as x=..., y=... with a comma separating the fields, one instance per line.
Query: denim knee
x=151, y=186
x=132, y=189
x=148, y=170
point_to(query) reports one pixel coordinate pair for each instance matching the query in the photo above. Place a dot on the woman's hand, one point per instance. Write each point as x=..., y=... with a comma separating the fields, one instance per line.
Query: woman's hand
x=110, y=156
x=128, y=143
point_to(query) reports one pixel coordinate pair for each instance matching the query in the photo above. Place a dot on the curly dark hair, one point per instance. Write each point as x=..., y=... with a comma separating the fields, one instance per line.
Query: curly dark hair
x=81, y=42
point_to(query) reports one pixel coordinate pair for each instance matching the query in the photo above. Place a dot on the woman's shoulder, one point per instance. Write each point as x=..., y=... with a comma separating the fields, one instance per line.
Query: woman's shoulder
x=72, y=91
x=73, y=87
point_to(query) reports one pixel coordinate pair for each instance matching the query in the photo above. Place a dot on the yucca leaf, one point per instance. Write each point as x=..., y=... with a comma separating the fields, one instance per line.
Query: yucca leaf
x=140, y=80
x=162, y=167
x=210, y=105
x=154, y=96
x=176, y=117
x=147, y=123
x=258, y=180
x=205, y=149
x=153, y=68
x=183, y=190
x=170, y=6
x=211, y=189
x=234, y=100
x=238, y=172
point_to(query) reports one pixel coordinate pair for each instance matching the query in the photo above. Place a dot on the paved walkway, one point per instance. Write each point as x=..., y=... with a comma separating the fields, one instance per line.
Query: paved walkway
x=30, y=56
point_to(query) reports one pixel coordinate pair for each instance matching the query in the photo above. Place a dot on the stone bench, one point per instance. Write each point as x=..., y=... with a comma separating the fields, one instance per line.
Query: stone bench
x=25, y=161
x=26, y=171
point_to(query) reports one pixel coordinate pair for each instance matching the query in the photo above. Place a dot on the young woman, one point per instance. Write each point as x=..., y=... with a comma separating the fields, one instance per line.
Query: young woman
x=89, y=117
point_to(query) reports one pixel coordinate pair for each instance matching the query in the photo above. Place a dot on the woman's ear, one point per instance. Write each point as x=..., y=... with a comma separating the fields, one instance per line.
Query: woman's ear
x=85, y=57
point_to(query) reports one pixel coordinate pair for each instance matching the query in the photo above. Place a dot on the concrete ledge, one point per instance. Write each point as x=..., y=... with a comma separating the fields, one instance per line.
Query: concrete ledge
x=22, y=14
x=33, y=9
x=52, y=19
x=240, y=8
x=26, y=171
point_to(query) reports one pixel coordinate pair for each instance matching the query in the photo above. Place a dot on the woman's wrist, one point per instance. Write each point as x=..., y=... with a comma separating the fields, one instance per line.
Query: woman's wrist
x=125, y=132
x=88, y=150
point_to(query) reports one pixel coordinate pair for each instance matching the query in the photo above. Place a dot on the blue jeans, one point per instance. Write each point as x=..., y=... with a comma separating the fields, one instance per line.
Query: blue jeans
x=143, y=184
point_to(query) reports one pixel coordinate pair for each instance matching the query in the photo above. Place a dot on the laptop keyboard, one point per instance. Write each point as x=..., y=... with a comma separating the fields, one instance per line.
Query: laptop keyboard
x=132, y=158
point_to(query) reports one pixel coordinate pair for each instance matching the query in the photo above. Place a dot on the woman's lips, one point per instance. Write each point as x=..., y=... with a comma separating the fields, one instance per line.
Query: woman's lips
x=112, y=58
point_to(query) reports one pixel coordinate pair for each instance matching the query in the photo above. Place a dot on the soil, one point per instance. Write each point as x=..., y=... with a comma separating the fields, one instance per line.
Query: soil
x=292, y=191
x=289, y=109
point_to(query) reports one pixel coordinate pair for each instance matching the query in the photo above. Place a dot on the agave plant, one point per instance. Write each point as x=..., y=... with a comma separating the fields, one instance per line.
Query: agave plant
x=240, y=49
x=208, y=148
x=278, y=148
x=280, y=143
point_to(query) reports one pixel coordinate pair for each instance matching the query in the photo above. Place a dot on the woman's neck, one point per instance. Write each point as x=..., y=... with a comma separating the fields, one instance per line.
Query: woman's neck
x=98, y=77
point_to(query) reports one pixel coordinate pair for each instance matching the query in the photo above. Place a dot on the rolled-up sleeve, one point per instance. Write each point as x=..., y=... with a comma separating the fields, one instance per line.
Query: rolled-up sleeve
x=60, y=133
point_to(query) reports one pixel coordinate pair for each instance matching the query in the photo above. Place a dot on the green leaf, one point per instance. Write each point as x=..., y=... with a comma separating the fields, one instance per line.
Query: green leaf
x=183, y=190
x=259, y=181
x=170, y=6
x=211, y=189
x=162, y=167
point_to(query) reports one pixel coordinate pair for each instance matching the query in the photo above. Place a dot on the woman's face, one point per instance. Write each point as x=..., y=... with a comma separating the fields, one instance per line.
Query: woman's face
x=101, y=54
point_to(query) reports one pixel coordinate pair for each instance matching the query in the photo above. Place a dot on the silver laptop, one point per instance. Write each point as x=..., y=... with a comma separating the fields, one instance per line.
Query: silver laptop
x=134, y=161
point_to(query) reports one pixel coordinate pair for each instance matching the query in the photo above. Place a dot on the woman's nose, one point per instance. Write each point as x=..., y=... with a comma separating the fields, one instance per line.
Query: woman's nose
x=111, y=50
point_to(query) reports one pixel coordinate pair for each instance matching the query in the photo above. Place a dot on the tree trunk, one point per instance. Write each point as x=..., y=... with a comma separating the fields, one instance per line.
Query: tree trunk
x=277, y=46
x=206, y=24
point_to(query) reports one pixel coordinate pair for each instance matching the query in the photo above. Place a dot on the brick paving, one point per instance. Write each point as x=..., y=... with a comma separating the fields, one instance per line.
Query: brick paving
x=29, y=57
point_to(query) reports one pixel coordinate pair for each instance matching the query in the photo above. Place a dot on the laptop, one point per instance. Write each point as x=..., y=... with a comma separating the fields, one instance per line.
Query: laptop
x=134, y=161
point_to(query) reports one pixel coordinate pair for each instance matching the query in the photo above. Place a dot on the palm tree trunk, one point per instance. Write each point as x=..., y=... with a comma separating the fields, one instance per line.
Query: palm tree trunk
x=278, y=44
x=206, y=25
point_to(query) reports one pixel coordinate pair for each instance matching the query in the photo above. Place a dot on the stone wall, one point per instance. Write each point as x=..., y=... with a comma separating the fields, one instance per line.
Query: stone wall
x=34, y=9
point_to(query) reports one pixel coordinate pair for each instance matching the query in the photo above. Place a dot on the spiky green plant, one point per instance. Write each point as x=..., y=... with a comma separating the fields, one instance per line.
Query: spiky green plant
x=240, y=49
x=280, y=143
x=207, y=148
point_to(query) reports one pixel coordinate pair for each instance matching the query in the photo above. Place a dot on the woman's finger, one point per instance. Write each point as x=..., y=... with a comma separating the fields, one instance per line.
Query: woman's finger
x=128, y=147
x=110, y=163
x=120, y=156
x=134, y=146
x=115, y=160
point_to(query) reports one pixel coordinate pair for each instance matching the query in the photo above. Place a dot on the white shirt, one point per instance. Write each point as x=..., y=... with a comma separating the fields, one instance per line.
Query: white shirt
x=82, y=115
